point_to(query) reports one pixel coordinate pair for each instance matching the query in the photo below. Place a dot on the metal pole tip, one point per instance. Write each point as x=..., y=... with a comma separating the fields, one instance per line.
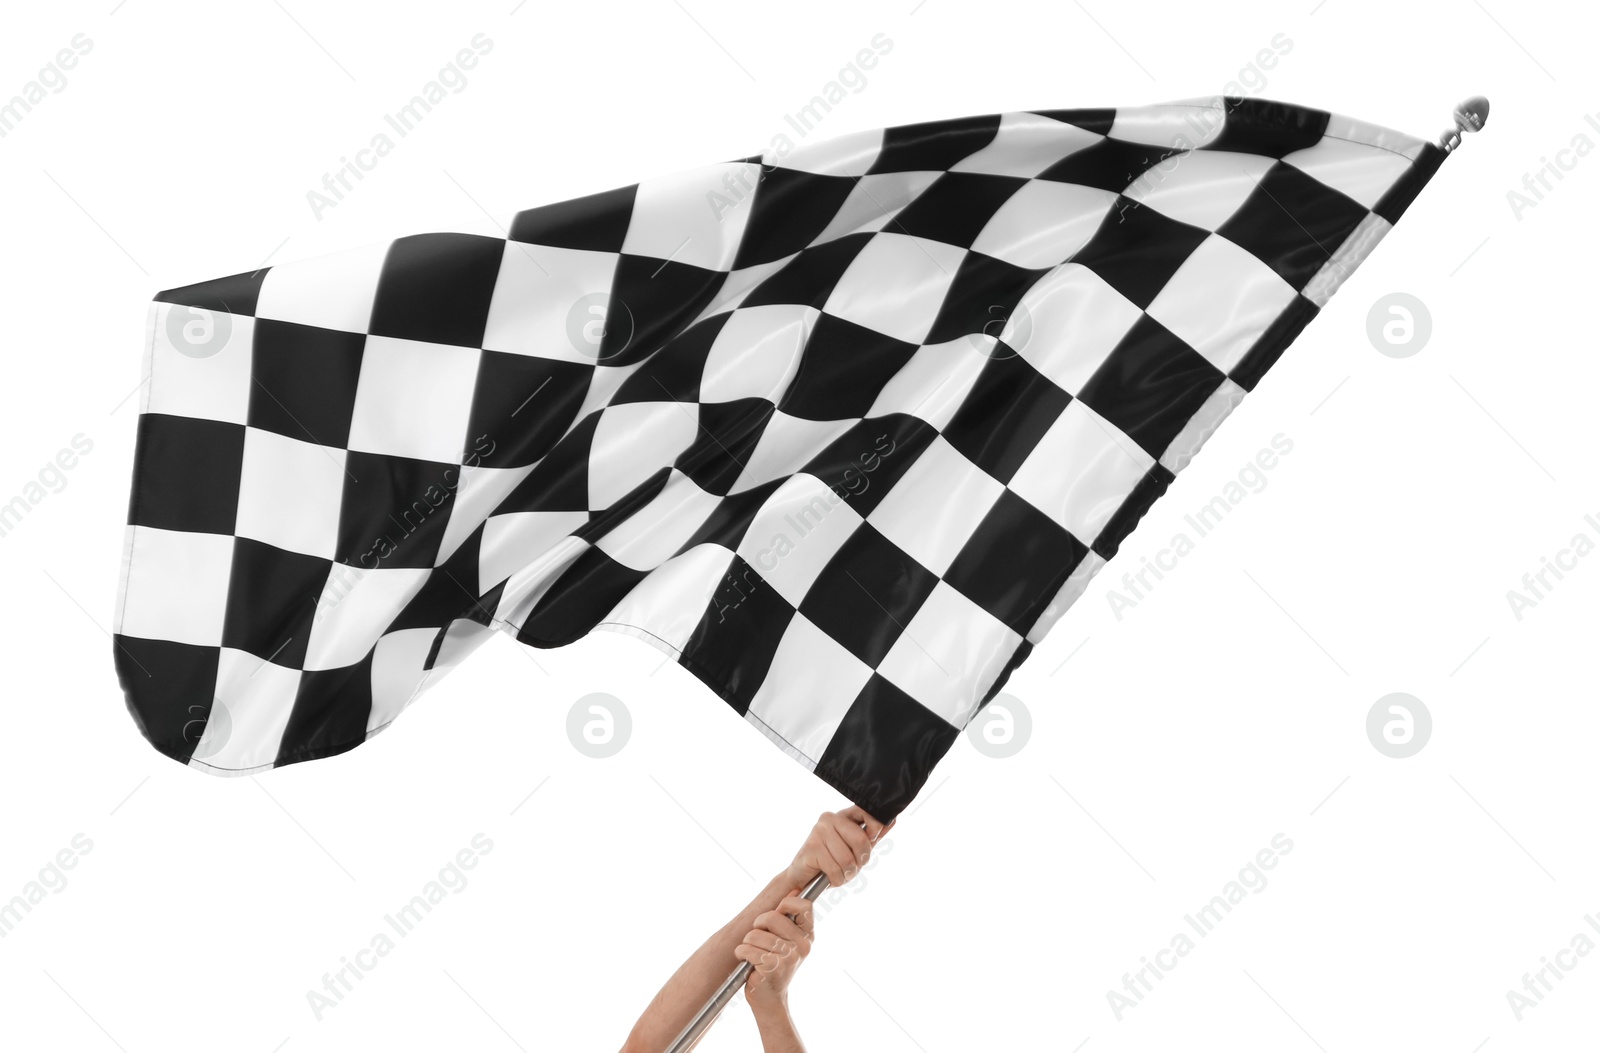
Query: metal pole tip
x=1470, y=116
x=1473, y=114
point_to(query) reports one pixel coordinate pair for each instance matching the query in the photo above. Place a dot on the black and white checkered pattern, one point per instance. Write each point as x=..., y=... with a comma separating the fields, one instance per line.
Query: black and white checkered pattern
x=845, y=430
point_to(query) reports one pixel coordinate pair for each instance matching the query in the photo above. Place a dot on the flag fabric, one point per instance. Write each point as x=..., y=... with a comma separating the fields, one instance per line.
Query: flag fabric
x=843, y=430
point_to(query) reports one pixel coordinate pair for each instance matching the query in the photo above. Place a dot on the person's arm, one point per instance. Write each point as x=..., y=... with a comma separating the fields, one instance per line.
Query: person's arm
x=839, y=845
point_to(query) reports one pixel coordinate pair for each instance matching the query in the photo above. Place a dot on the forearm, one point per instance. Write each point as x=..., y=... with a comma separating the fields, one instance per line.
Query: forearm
x=700, y=975
x=777, y=1029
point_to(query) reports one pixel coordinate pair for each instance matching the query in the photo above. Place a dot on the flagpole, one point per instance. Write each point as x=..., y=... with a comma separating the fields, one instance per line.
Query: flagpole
x=713, y=1008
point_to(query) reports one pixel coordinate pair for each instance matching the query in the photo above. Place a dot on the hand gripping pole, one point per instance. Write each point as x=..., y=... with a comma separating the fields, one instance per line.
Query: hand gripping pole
x=713, y=1008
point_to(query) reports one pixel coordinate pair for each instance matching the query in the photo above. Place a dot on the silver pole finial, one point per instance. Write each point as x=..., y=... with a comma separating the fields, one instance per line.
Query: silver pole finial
x=1470, y=116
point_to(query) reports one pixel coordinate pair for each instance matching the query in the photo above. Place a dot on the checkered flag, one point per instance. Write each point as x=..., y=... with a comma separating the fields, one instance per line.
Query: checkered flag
x=842, y=430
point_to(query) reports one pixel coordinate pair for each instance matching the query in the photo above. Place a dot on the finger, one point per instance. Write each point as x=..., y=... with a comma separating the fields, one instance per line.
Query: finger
x=836, y=859
x=855, y=837
x=767, y=941
x=805, y=866
x=778, y=923
x=761, y=962
x=769, y=960
x=875, y=829
x=801, y=910
x=819, y=855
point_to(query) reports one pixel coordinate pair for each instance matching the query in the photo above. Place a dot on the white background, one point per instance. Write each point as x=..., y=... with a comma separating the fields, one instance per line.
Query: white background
x=1168, y=746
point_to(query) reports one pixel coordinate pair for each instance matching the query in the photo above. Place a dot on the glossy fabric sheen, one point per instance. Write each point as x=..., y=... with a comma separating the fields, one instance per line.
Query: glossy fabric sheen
x=844, y=430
